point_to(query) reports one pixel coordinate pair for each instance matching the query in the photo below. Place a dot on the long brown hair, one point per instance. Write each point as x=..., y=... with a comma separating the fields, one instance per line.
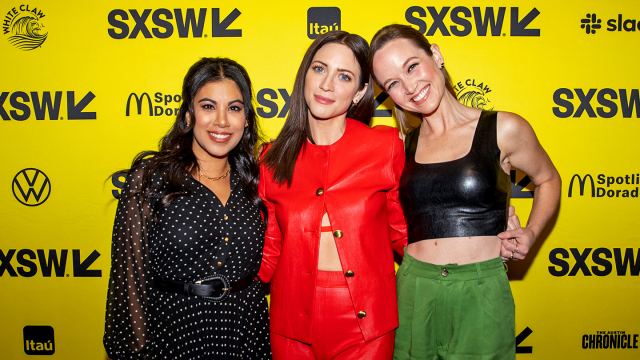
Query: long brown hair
x=397, y=31
x=282, y=156
x=176, y=160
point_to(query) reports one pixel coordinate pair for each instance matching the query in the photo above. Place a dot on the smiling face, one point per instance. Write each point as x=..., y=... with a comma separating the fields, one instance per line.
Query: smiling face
x=331, y=83
x=410, y=76
x=220, y=119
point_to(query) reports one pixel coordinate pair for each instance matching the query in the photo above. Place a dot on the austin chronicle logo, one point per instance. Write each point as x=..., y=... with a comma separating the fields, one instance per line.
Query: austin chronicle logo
x=591, y=24
x=31, y=187
x=24, y=26
x=321, y=20
x=38, y=340
x=473, y=93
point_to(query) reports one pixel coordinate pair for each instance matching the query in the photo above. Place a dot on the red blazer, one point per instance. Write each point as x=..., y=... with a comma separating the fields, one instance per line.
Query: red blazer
x=358, y=176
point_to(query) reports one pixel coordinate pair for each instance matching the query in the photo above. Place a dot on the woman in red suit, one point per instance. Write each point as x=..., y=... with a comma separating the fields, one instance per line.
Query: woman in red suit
x=330, y=184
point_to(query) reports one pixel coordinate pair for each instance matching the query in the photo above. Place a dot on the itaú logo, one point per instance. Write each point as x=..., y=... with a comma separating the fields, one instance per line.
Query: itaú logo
x=38, y=340
x=321, y=20
x=612, y=186
x=31, y=187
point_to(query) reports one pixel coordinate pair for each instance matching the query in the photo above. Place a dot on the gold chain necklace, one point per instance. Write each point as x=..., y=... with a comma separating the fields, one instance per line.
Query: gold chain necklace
x=215, y=178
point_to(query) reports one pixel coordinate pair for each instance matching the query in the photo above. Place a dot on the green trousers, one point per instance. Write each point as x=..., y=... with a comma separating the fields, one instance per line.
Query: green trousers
x=454, y=312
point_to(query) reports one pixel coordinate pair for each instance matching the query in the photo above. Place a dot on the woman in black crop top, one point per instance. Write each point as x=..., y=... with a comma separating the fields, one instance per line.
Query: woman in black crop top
x=454, y=297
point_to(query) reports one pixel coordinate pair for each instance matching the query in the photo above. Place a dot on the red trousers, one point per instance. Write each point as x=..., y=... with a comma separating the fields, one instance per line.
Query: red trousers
x=336, y=333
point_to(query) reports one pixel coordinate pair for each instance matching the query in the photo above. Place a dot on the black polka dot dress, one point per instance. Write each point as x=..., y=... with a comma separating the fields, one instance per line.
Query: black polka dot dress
x=195, y=237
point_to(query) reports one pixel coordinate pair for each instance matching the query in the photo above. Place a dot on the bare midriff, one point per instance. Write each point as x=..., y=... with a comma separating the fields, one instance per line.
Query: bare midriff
x=456, y=250
x=328, y=258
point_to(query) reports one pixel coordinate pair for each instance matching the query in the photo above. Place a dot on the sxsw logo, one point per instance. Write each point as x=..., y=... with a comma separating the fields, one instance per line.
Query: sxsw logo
x=321, y=20
x=520, y=338
x=131, y=23
x=520, y=189
x=490, y=20
x=118, y=180
x=31, y=182
x=50, y=263
x=38, y=340
x=43, y=103
x=599, y=257
x=591, y=23
x=167, y=104
x=628, y=100
x=270, y=108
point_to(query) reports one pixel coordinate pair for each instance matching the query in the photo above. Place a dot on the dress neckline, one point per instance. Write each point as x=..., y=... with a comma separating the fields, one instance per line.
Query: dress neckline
x=473, y=141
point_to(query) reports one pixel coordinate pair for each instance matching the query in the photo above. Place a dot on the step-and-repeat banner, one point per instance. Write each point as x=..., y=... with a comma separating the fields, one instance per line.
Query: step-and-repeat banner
x=85, y=86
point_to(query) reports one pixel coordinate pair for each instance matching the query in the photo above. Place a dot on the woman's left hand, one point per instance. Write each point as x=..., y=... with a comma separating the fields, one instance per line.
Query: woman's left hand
x=516, y=241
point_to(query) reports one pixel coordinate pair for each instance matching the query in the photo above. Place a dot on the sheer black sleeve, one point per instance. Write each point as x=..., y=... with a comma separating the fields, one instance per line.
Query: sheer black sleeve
x=126, y=333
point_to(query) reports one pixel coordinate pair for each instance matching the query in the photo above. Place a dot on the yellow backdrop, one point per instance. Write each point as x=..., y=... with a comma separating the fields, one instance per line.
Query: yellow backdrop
x=74, y=110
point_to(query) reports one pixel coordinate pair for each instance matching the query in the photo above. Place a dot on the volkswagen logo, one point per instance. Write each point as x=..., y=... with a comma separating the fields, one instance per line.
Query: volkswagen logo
x=31, y=187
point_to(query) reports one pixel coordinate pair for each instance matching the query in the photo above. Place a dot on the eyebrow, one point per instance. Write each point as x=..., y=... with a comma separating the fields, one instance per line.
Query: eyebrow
x=215, y=102
x=344, y=70
x=384, y=85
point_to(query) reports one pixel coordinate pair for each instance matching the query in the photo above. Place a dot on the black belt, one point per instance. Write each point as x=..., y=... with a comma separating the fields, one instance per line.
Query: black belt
x=204, y=288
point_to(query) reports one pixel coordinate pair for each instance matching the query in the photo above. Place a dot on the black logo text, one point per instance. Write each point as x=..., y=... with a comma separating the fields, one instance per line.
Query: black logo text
x=489, y=22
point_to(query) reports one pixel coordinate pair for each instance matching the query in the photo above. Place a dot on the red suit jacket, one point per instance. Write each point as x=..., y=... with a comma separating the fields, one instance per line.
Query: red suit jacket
x=356, y=179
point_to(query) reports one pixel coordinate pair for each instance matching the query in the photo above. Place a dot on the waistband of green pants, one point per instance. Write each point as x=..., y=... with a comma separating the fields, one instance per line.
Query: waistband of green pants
x=452, y=272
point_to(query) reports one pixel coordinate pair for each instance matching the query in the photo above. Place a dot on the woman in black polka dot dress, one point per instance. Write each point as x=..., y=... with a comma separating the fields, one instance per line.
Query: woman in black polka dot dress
x=188, y=233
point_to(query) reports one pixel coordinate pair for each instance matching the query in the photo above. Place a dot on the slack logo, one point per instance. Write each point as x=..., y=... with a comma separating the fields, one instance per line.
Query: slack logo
x=38, y=340
x=591, y=24
x=321, y=20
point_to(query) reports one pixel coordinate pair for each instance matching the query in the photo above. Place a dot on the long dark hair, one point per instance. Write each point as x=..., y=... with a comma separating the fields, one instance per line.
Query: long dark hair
x=176, y=161
x=397, y=31
x=282, y=155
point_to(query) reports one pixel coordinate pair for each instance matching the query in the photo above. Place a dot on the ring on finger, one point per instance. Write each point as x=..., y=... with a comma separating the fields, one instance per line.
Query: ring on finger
x=511, y=257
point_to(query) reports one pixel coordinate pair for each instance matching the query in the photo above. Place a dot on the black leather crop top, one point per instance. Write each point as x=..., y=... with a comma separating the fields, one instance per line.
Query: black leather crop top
x=468, y=196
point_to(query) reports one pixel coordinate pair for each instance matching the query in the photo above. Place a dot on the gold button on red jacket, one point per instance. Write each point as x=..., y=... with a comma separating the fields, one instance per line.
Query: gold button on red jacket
x=359, y=175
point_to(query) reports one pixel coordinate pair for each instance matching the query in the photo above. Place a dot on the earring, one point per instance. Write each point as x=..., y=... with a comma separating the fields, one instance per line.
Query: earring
x=355, y=102
x=442, y=66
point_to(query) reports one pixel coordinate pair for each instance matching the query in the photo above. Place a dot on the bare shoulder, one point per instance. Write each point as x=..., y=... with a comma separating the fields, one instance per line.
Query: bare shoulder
x=513, y=126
